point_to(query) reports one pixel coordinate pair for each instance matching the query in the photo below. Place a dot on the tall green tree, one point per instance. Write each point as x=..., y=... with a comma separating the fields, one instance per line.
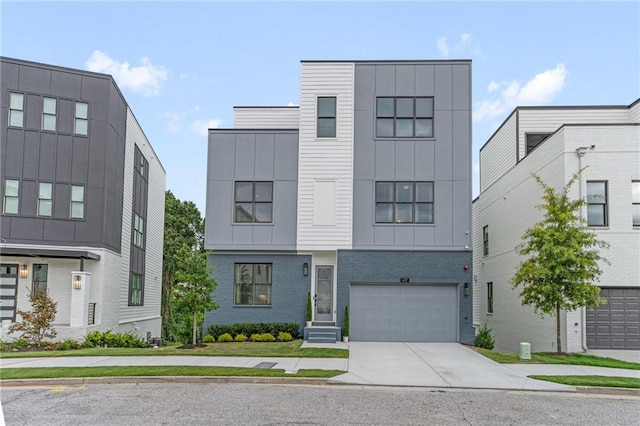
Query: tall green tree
x=563, y=255
x=194, y=291
x=183, y=225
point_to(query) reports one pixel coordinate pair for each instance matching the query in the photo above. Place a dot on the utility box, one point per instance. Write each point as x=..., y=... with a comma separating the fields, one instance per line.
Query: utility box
x=525, y=350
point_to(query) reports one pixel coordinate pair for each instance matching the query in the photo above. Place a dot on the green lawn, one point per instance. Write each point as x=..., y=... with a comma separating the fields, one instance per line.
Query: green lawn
x=254, y=349
x=602, y=381
x=552, y=358
x=60, y=372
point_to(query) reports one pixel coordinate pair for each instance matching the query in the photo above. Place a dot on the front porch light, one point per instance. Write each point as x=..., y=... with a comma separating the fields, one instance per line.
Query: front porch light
x=24, y=271
x=77, y=282
x=466, y=289
x=305, y=269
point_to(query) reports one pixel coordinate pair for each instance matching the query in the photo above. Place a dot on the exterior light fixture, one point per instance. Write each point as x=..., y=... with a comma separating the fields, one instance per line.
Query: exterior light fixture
x=24, y=271
x=77, y=282
x=305, y=269
x=466, y=289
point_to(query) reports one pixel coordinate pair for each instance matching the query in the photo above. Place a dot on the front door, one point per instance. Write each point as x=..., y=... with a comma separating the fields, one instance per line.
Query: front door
x=8, y=290
x=324, y=293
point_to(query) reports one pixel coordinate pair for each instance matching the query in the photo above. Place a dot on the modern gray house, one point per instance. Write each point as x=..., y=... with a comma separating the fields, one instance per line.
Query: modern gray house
x=82, y=202
x=360, y=196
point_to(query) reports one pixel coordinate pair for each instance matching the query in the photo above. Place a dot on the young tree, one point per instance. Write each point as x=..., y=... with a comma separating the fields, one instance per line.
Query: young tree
x=194, y=291
x=36, y=323
x=561, y=268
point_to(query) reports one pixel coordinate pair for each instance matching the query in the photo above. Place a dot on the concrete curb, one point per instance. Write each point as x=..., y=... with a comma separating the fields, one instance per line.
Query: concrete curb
x=79, y=381
x=608, y=391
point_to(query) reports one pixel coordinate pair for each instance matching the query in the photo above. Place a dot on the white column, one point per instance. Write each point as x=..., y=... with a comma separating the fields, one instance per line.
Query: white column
x=80, y=286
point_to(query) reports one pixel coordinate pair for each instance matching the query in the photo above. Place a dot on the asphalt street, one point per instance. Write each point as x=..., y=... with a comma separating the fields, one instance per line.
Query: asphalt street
x=252, y=404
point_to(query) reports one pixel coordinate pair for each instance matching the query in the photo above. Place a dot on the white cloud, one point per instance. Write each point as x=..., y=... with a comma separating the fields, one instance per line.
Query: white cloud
x=442, y=46
x=174, y=120
x=145, y=78
x=202, y=126
x=540, y=90
x=292, y=104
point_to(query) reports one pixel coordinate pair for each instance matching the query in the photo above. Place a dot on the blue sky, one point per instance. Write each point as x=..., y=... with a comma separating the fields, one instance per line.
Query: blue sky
x=183, y=66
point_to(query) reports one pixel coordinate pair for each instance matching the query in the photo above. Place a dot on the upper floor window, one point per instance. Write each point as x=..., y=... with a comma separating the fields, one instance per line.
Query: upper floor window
x=77, y=202
x=11, y=196
x=489, y=298
x=635, y=200
x=485, y=240
x=45, y=197
x=326, y=127
x=404, y=202
x=16, y=109
x=136, y=288
x=138, y=231
x=49, y=114
x=81, y=124
x=253, y=202
x=597, y=203
x=406, y=117
x=535, y=139
x=252, y=284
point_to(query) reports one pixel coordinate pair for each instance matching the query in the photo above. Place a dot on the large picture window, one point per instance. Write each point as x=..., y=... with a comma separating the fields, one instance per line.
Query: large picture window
x=252, y=284
x=404, y=202
x=597, y=203
x=405, y=117
x=253, y=202
x=326, y=127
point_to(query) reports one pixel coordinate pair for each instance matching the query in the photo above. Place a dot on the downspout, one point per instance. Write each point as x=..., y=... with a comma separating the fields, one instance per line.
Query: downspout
x=581, y=151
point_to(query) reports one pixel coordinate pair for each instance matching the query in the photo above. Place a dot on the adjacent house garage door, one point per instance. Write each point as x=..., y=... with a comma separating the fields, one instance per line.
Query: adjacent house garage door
x=615, y=325
x=403, y=313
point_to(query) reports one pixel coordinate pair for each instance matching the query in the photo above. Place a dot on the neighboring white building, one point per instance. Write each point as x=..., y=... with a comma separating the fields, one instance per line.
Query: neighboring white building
x=555, y=142
x=82, y=203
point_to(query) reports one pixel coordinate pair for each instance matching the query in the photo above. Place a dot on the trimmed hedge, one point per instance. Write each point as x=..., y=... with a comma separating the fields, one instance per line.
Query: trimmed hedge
x=251, y=328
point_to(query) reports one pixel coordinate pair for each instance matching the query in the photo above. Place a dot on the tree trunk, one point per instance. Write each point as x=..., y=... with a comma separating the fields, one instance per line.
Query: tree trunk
x=166, y=307
x=558, y=337
x=195, y=326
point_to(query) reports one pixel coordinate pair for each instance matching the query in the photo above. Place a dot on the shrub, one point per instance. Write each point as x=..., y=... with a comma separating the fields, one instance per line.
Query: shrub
x=36, y=323
x=113, y=340
x=263, y=337
x=293, y=328
x=284, y=337
x=345, y=322
x=209, y=339
x=66, y=345
x=216, y=330
x=19, y=343
x=240, y=338
x=309, y=312
x=484, y=339
x=226, y=337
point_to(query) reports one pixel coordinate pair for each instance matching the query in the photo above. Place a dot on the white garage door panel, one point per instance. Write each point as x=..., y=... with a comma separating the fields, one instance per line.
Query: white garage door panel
x=394, y=313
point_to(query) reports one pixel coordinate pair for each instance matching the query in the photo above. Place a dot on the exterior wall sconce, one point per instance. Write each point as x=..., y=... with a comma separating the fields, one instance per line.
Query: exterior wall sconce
x=24, y=271
x=305, y=269
x=77, y=282
x=466, y=289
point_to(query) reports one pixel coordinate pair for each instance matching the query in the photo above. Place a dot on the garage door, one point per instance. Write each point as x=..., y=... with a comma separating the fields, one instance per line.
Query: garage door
x=615, y=325
x=407, y=313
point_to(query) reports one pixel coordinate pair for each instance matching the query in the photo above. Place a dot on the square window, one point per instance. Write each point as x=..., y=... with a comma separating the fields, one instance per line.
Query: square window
x=404, y=127
x=385, y=107
x=384, y=212
x=252, y=283
x=404, y=192
x=253, y=202
x=404, y=202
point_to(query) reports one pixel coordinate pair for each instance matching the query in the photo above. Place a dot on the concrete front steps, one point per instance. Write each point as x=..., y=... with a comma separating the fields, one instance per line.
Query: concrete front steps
x=323, y=332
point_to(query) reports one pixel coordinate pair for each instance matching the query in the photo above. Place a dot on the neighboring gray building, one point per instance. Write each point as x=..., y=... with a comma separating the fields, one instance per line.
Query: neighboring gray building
x=82, y=202
x=361, y=196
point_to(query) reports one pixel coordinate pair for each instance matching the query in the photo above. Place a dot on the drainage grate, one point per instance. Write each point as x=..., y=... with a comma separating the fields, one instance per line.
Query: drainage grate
x=265, y=365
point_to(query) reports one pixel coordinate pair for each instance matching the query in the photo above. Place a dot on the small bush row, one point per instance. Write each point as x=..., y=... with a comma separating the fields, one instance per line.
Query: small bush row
x=114, y=340
x=249, y=329
x=256, y=337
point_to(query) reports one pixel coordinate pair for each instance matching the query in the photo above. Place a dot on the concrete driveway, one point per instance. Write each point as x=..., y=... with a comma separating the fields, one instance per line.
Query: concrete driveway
x=432, y=365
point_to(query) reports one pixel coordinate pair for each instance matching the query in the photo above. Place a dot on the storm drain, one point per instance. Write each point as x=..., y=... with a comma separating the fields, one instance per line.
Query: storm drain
x=265, y=365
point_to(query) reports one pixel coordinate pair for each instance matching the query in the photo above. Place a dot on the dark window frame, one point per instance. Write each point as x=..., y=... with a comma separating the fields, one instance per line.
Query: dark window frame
x=598, y=200
x=490, y=297
x=138, y=233
x=251, y=296
x=396, y=202
x=328, y=118
x=540, y=136
x=396, y=117
x=136, y=295
x=254, y=203
x=485, y=240
x=39, y=286
x=635, y=203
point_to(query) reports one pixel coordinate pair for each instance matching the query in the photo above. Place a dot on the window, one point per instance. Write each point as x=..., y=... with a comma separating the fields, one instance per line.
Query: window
x=252, y=284
x=535, y=139
x=16, y=109
x=138, y=231
x=485, y=241
x=404, y=202
x=254, y=202
x=40, y=273
x=11, y=196
x=45, y=196
x=635, y=200
x=326, y=117
x=77, y=202
x=81, y=124
x=489, y=298
x=49, y=114
x=135, y=289
x=597, y=203
x=404, y=117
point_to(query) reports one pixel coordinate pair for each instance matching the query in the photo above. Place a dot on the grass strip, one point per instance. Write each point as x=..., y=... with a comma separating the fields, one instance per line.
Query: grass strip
x=120, y=371
x=600, y=381
x=553, y=358
x=291, y=349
